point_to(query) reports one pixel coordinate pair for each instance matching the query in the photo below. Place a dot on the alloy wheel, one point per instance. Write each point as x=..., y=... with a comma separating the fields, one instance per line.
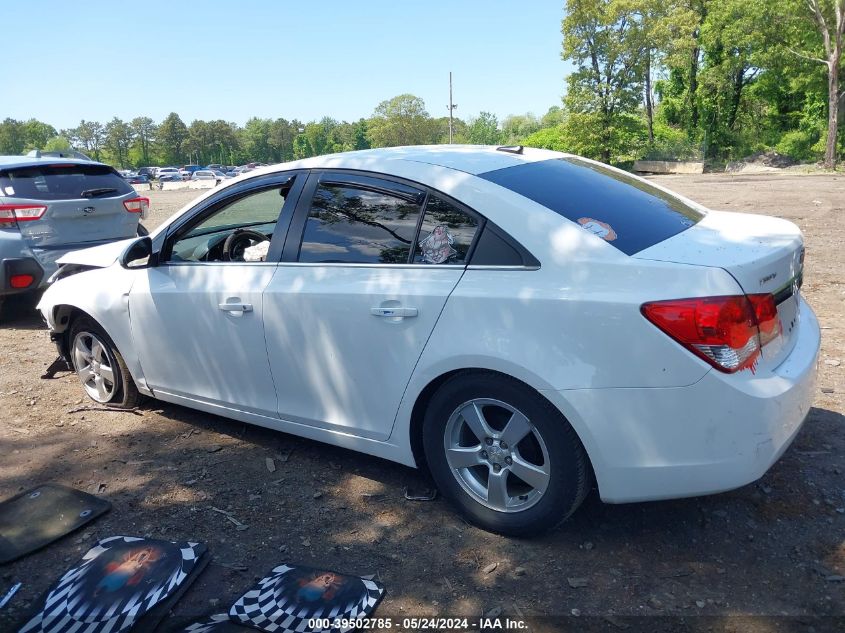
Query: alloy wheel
x=497, y=455
x=94, y=367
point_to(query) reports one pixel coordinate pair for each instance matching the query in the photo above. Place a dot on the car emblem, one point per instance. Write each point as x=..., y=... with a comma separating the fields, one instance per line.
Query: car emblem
x=768, y=277
x=88, y=210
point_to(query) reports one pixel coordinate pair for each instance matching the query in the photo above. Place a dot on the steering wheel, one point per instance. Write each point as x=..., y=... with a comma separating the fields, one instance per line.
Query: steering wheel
x=238, y=241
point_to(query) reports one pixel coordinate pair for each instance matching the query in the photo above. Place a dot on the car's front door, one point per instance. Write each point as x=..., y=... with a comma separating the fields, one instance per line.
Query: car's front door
x=358, y=292
x=197, y=316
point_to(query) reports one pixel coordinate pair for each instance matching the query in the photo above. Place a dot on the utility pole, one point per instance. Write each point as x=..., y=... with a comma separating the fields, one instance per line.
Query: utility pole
x=450, y=107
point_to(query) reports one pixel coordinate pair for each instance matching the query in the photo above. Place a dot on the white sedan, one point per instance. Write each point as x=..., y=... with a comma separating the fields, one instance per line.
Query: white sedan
x=520, y=322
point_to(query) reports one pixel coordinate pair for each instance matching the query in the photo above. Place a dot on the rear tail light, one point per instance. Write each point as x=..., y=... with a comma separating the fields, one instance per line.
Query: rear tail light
x=21, y=281
x=12, y=213
x=727, y=332
x=137, y=205
x=766, y=313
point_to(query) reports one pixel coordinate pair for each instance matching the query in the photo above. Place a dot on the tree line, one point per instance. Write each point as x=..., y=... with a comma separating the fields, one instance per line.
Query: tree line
x=675, y=79
x=402, y=120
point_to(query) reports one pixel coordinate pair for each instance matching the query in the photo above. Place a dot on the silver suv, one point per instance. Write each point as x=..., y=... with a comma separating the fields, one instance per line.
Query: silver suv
x=51, y=204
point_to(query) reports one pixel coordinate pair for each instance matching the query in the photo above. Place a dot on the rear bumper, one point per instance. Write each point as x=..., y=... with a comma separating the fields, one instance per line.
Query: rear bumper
x=720, y=433
x=12, y=266
x=16, y=257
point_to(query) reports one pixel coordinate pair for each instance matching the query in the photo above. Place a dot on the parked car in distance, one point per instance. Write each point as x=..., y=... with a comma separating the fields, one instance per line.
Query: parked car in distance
x=208, y=174
x=517, y=320
x=137, y=179
x=188, y=170
x=50, y=206
x=149, y=172
x=163, y=171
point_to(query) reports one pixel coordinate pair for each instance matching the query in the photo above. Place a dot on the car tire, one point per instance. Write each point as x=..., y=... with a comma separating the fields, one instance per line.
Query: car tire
x=143, y=231
x=100, y=367
x=481, y=475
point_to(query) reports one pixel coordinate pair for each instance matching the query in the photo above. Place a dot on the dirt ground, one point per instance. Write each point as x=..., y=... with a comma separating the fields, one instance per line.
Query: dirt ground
x=746, y=558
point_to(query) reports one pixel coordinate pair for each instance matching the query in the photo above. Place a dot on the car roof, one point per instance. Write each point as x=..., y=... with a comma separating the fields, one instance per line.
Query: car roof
x=472, y=159
x=31, y=161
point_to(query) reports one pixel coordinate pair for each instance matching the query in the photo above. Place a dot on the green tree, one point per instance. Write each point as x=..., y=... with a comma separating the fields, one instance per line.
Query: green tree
x=828, y=19
x=12, y=137
x=172, y=134
x=144, y=129
x=402, y=120
x=604, y=40
x=119, y=137
x=518, y=126
x=58, y=144
x=484, y=130
x=37, y=134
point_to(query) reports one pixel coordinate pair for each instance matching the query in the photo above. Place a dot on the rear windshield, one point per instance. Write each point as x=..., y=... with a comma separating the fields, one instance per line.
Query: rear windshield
x=62, y=182
x=628, y=213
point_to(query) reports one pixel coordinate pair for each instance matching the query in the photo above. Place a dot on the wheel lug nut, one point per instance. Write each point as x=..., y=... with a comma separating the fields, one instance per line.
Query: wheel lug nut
x=496, y=468
x=489, y=441
x=502, y=445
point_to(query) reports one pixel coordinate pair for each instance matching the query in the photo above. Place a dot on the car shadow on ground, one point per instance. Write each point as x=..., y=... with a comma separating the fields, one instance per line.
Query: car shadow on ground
x=19, y=312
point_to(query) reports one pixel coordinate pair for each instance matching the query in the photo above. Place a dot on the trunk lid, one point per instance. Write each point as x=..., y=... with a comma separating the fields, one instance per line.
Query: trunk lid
x=84, y=204
x=763, y=254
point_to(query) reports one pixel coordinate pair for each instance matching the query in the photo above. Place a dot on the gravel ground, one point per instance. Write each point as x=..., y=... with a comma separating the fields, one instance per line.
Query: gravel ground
x=772, y=548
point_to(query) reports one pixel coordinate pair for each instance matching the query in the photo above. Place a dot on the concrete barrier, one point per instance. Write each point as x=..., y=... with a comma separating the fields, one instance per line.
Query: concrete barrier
x=188, y=184
x=668, y=167
x=169, y=186
x=202, y=184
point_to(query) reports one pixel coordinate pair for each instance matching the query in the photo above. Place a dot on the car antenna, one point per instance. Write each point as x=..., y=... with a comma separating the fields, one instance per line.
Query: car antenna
x=511, y=149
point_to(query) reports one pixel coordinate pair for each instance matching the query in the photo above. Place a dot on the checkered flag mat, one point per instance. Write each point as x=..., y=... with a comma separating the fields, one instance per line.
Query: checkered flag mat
x=293, y=599
x=117, y=582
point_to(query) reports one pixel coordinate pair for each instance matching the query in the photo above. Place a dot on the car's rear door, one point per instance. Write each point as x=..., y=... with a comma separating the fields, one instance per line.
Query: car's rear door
x=78, y=205
x=353, y=302
x=197, y=319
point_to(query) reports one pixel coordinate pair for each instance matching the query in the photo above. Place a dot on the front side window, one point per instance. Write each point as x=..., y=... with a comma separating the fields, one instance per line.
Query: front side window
x=446, y=233
x=240, y=231
x=358, y=225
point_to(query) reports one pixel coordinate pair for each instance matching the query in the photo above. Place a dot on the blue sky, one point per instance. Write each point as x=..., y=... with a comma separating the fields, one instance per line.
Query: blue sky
x=210, y=59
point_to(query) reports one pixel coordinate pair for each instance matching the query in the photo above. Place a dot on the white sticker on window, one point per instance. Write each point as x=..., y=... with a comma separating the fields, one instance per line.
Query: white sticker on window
x=437, y=247
x=597, y=227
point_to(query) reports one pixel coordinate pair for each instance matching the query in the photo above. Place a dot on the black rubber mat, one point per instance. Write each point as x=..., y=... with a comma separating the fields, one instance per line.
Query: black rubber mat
x=121, y=583
x=37, y=517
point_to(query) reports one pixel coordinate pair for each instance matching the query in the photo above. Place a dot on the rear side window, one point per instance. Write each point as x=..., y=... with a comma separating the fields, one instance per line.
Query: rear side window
x=347, y=224
x=628, y=213
x=446, y=233
x=62, y=182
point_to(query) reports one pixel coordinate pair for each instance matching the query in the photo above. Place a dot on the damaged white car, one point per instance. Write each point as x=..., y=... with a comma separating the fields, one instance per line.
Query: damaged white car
x=521, y=322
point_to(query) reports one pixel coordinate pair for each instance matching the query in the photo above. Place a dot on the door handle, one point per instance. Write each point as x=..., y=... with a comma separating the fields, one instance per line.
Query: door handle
x=394, y=312
x=235, y=307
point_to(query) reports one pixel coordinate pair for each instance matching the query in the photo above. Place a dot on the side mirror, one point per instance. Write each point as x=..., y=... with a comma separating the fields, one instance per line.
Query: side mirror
x=139, y=254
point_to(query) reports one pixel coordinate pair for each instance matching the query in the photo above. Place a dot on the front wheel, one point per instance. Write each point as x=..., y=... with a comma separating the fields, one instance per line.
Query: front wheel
x=100, y=367
x=503, y=454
